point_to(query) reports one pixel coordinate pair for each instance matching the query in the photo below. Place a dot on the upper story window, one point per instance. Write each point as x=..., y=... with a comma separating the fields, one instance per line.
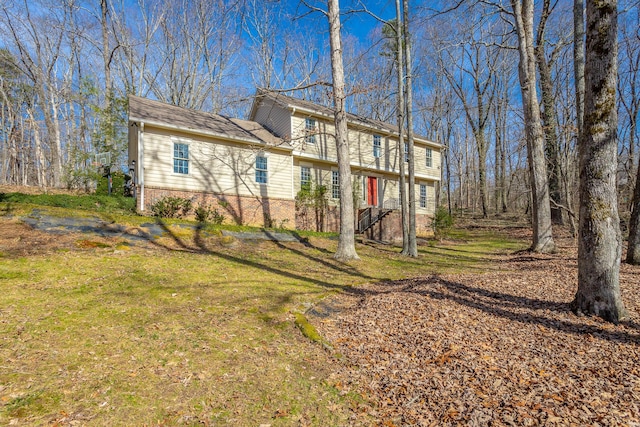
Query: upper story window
x=180, y=158
x=310, y=130
x=377, y=146
x=429, y=158
x=305, y=177
x=406, y=151
x=335, y=184
x=423, y=196
x=261, y=169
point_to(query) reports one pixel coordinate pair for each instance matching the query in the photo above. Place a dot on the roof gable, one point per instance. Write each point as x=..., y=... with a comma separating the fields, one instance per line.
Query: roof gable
x=166, y=115
x=353, y=119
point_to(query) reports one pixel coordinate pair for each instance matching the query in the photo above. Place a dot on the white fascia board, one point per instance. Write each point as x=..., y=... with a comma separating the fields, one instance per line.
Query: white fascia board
x=387, y=132
x=221, y=136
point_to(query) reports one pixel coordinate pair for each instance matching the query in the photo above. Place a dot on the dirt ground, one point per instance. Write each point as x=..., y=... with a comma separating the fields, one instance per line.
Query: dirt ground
x=499, y=348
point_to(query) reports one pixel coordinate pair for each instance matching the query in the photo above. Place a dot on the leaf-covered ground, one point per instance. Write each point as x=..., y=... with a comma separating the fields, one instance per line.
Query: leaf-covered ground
x=497, y=348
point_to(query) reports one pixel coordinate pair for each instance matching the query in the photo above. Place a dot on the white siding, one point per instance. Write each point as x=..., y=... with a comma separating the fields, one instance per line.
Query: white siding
x=361, y=149
x=274, y=117
x=214, y=166
x=324, y=147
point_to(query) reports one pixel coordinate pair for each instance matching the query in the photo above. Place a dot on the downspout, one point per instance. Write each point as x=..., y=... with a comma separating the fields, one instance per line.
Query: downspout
x=140, y=173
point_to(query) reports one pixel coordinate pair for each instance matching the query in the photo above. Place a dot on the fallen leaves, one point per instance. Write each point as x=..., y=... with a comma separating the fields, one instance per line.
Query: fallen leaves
x=500, y=347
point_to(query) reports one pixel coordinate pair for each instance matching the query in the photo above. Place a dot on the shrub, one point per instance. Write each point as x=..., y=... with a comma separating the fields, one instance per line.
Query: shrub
x=204, y=213
x=117, y=184
x=171, y=207
x=442, y=221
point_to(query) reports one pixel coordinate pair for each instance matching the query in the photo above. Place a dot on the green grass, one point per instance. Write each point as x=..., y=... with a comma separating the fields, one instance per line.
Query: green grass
x=95, y=203
x=164, y=337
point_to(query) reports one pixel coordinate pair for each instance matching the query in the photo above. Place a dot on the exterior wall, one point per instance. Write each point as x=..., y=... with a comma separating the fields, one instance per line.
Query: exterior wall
x=388, y=190
x=361, y=148
x=389, y=228
x=274, y=117
x=133, y=144
x=222, y=173
x=315, y=220
x=325, y=146
x=241, y=210
x=215, y=166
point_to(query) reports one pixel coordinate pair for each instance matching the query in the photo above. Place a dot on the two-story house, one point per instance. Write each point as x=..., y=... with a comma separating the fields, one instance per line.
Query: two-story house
x=252, y=170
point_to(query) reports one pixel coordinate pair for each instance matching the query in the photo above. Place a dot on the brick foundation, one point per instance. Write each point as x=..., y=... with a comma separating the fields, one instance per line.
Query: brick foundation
x=271, y=212
x=309, y=219
x=241, y=210
x=389, y=228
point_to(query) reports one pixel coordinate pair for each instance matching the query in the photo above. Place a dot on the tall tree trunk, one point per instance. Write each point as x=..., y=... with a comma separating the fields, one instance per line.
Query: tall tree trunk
x=633, y=249
x=482, y=146
x=599, y=241
x=413, y=244
x=346, y=243
x=578, y=61
x=549, y=117
x=632, y=108
x=106, y=51
x=402, y=182
x=108, y=95
x=541, y=220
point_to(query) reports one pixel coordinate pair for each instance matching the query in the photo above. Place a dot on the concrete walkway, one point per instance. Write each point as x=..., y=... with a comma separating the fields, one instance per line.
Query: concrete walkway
x=39, y=220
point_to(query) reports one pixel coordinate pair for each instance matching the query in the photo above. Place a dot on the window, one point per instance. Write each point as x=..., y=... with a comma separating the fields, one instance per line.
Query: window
x=310, y=130
x=406, y=151
x=429, y=158
x=180, y=158
x=377, y=146
x=423, y=196
x=335, y=184
x=261, y=169
x=305, y=177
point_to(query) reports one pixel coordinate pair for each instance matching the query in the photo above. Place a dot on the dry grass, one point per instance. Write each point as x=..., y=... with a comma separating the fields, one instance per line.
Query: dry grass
x=180, y=330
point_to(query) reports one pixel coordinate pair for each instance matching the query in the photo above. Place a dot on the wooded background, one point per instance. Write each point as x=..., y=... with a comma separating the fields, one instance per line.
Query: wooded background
x=67, y=66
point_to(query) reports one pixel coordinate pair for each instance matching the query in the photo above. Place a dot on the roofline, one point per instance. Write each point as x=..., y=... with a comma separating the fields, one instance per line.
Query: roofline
x=207, y=133
x=263, y=93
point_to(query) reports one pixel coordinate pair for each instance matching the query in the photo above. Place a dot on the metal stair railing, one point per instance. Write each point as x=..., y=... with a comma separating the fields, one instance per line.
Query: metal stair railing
x=368, y=219
x=364, y=220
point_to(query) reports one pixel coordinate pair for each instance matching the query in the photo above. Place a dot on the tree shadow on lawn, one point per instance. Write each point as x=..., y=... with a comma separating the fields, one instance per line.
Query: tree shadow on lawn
x=491, y=302
x=505, y=305
x=202, y=248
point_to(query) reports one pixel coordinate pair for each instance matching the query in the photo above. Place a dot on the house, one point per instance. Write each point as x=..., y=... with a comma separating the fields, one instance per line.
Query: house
x=253, y=170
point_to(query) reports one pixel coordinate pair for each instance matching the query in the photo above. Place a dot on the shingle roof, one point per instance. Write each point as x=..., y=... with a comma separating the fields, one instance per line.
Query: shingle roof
x=159, y=113
x=288, y=102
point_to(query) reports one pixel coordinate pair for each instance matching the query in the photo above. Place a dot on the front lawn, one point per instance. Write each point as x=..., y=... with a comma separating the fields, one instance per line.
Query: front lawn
x=186, y=330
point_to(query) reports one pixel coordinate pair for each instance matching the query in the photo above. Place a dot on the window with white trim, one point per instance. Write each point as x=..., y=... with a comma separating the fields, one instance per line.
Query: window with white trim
x=310, y=130
x=406, y=151
x=180, y=158
x=335, y=184
x=429, y=157
x=377, y=146
x=261, y=169
x=305, y=177
x=423, y=196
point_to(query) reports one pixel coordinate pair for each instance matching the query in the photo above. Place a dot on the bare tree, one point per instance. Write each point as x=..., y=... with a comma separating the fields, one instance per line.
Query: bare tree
x=599, y=242
x=38, y=56
x=629, y=92
x=578, y=60
x=542, y=231
x=549, y=114
x=477, y=64
x=346, y=244
x=408, y=65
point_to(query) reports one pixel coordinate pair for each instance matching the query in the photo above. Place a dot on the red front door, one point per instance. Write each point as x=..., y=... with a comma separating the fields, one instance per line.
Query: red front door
x=372, y=191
